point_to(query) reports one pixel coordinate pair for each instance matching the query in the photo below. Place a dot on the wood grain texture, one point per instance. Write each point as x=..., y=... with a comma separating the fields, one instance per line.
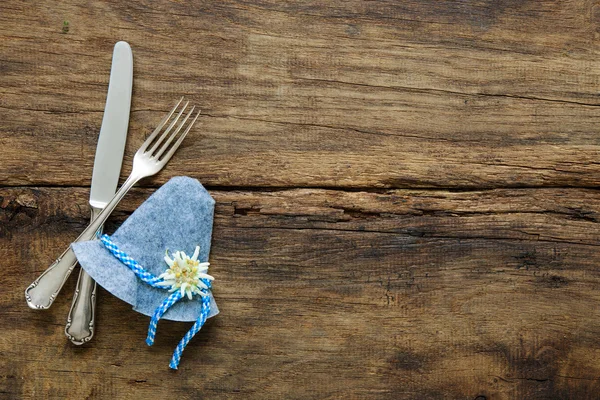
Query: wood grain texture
x=407, y=202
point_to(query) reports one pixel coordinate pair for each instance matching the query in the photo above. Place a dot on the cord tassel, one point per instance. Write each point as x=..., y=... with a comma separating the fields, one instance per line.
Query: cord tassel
x=190, y=334
x=202, y=288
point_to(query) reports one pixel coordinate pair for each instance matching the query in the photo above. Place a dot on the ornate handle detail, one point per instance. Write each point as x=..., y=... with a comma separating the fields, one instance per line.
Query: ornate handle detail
x=80, y=321
x=42, y=292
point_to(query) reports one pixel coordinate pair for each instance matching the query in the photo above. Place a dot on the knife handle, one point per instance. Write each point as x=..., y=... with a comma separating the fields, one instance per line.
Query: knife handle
x=42, y=292
x=80, y=320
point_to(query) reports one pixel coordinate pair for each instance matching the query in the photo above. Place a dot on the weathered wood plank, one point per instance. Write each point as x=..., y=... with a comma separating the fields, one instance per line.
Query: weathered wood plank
x=417, y=94
x=401, y=294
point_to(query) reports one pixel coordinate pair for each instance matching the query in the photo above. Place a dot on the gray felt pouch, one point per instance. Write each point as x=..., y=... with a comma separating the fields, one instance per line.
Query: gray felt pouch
x=177, y=217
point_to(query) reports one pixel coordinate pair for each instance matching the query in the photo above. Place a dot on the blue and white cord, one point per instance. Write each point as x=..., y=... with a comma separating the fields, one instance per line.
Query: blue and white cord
x=141, y=273
x=190, y=334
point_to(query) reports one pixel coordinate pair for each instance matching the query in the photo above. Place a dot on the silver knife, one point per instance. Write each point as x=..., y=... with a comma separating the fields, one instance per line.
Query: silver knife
x=107, y=166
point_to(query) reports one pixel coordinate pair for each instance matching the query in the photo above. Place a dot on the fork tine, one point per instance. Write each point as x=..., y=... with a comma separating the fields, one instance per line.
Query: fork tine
x=166, y=132
x=168, y=156
x=168, y=141
x=144, y=145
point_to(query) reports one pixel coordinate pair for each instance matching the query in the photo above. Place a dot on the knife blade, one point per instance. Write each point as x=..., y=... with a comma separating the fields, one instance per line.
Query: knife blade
x=107, y=166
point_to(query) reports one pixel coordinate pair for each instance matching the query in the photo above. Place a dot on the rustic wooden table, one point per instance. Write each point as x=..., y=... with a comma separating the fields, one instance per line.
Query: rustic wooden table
x=407, y=202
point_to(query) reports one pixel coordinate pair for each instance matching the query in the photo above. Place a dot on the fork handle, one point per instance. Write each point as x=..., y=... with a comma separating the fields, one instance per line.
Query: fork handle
x=81, y=317
x=42, y=292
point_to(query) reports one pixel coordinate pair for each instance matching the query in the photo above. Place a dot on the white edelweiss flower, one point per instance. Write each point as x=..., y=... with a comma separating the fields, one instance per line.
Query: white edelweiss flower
x=185, y=274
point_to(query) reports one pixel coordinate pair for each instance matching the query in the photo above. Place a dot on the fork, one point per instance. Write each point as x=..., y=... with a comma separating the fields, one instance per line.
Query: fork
x=148, y=161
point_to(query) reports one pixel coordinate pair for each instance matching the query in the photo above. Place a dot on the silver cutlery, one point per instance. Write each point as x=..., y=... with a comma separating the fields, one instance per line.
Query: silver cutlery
x=105, y=177
x=151, y=157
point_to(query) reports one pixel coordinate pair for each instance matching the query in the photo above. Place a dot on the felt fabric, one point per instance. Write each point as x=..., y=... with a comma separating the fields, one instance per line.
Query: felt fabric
x=177, y=217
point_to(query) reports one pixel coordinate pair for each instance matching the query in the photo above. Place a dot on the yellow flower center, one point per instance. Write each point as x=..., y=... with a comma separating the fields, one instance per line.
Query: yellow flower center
x=185, y=272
